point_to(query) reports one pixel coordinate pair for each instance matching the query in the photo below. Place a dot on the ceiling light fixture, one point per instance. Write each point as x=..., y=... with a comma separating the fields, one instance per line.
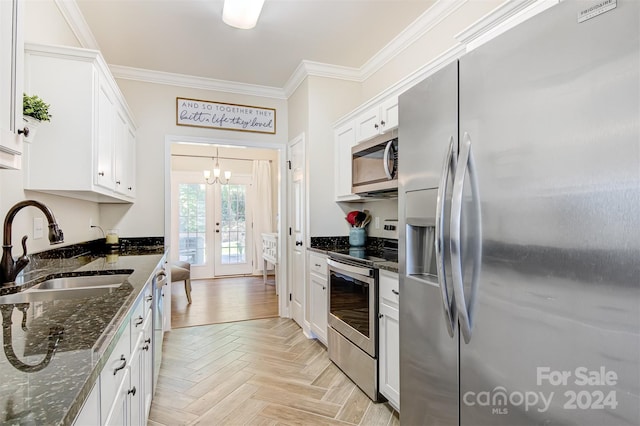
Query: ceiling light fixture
x=241, y=14
x=216, y=173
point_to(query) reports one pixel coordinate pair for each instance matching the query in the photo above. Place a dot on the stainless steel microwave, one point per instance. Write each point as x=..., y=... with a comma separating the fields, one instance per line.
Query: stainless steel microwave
x=374, y=167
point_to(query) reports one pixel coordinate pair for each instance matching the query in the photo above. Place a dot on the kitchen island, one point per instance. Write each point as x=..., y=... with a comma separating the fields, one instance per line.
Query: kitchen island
x=55, y=350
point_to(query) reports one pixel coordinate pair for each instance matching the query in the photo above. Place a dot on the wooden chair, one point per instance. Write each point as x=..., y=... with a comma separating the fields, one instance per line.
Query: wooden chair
x=181, y=271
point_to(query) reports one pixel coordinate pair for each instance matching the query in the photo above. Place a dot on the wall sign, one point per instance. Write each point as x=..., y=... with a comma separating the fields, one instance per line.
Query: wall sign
x=218, y=115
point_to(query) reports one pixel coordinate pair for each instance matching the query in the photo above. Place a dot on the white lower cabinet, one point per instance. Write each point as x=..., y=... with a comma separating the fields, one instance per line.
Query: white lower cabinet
x=319, y=295
x=126, y=380
x=389, y=328
x=90, y=412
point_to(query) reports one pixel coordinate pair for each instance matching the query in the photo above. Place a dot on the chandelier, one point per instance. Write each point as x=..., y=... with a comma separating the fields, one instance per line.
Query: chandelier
x=216, y=173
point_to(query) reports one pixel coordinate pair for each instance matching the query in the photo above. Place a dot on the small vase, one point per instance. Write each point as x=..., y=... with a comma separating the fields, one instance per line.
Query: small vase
x=357, y=237
x=32, y=124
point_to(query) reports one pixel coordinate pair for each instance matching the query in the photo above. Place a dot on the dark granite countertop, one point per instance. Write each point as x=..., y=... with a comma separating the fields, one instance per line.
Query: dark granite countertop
x=41, y=388
x=324, y=245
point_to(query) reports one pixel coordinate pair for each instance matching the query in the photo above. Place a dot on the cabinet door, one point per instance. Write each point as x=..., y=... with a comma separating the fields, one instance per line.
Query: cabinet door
x=389, y=114
x=344, y=140
x=319, y=306
x=130, y=166
x=90, y=413
x=147, y=365
x=368, y=124
x=11, y=83
x=120, y=134
x=389, y=324
x=118, y=413
x=107, y=127
x=124, y=155
x=135, y=392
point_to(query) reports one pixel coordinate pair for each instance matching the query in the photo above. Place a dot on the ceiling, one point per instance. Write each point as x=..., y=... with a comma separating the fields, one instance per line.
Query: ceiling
x=188, y=37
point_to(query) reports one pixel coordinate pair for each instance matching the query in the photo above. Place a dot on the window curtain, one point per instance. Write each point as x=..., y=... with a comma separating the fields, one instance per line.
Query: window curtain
x=262, y=209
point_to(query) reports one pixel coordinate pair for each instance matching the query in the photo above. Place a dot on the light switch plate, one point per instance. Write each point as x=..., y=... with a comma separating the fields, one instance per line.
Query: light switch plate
x=38, y=228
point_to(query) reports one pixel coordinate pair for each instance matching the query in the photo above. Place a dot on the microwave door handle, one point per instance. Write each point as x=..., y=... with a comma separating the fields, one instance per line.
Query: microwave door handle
x=385, y=160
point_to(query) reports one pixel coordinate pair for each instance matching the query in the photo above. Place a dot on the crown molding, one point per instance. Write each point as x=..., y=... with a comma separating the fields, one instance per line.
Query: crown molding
x=319, y=69
x=171, y=79
x=72, y=14
x=418, y=28
x=508, y=14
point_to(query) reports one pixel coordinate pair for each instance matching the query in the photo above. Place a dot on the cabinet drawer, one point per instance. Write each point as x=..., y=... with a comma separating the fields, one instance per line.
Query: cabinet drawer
x=318, y=263
x=114, y=371
x=389, y=288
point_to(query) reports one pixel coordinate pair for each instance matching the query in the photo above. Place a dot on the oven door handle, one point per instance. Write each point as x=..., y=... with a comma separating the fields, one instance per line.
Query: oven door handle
x=367, y=272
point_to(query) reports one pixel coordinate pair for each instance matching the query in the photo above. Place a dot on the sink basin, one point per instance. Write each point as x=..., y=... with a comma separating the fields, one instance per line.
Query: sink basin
x=31, y=295
x=89, y=281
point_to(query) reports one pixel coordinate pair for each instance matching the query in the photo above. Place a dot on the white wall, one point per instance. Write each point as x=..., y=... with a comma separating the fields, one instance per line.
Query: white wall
x=439, y=39
x=154, y=109
x=329, y=99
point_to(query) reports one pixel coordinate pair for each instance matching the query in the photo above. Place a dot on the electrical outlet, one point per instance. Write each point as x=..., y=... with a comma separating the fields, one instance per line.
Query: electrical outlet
x=377, y=222
x=38, y=228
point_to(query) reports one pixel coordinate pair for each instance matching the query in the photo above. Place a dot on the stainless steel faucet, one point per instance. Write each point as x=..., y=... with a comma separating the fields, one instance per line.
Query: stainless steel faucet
x=10, y=268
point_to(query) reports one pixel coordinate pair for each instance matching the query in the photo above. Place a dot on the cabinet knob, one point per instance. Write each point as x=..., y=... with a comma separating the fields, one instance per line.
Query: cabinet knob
x=139, y=320
x=298, y=243
x=149, y=298
x=145, y=348
x=101, y=174
x=396, y=292
x=117, y=182
x=324, y=287
x=375, y=125
x=380, y=315
x=148, y=340
x=130, y=188
x=132, y=391
x=24, y=132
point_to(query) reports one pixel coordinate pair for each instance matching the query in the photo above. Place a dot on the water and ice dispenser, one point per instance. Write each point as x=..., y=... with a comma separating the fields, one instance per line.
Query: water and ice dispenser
x=420, y=219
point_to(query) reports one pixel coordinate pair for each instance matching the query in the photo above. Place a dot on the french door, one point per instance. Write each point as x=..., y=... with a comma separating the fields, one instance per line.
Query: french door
x=212, y=225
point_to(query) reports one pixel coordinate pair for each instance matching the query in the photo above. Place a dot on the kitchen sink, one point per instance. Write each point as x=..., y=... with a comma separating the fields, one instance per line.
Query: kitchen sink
x=64, y=288
x=31, y=295
x=88, y=281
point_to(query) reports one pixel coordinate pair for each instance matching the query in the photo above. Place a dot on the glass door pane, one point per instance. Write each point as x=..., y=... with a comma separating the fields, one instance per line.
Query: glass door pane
x=192, y=223
x=233, y=230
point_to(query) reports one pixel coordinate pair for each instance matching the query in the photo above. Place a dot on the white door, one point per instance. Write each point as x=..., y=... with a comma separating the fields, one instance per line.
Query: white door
x=233, y=237
x=210, y=224
x=297, y=220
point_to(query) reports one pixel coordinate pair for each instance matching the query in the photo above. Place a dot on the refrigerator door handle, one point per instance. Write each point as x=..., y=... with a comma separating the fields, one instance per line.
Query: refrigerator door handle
x=448, y=302
x=465, y=309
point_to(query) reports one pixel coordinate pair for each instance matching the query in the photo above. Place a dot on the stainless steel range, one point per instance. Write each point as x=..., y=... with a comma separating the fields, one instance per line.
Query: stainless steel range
x=353, y=314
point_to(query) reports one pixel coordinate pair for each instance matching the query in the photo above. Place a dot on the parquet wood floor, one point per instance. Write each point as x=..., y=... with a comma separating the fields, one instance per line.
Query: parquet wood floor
x=222, y=300
x=259, y=372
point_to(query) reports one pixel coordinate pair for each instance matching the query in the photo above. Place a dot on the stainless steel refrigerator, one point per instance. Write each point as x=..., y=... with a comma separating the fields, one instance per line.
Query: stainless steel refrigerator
x=519, y=199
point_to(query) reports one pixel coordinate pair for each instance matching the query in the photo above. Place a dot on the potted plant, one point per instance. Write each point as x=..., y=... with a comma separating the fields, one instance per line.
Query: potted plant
x=34, y=111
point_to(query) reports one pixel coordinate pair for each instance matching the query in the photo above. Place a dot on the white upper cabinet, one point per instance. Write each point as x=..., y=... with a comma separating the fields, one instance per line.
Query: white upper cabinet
x=377, y=120
x=11, y=68
x=88, y=149
x=344, y=140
